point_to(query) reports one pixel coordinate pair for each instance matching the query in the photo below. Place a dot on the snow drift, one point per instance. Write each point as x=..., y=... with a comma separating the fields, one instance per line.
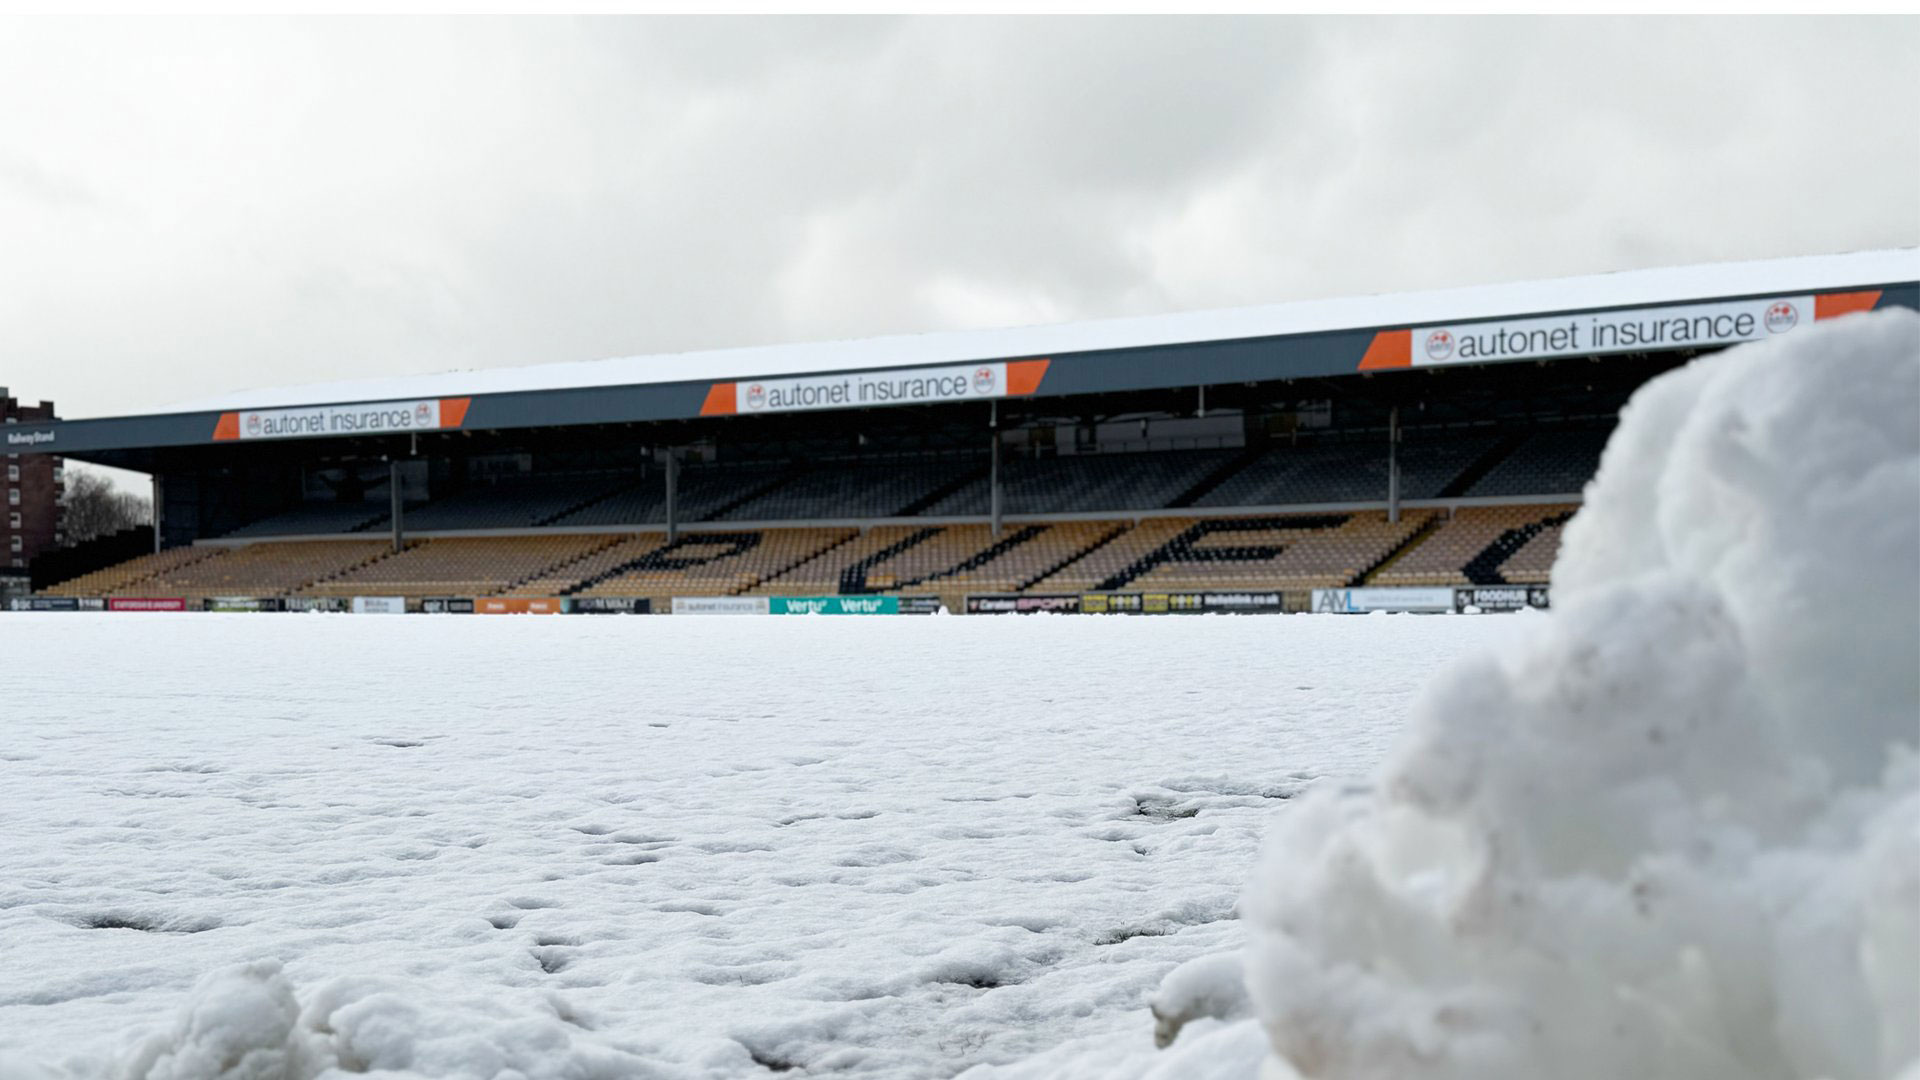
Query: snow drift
x=1674, y=830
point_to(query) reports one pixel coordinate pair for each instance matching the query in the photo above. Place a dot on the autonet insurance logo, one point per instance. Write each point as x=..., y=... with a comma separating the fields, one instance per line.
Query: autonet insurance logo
x=1684, y=326
x=378, y=418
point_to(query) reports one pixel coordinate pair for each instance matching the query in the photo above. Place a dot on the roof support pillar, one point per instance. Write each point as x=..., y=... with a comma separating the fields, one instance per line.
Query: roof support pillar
x=993, y=468
x=396, y=504
x=159, y=502
x=1393, y=465
x=673, y=492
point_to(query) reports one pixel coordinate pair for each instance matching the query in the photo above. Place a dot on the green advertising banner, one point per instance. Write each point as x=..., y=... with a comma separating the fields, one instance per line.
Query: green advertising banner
x=834, y=605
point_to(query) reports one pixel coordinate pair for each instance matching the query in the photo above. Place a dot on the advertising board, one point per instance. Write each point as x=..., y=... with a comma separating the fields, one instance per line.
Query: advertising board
x=520, y=605
x=447, y=605
x=379, y=605
x=47, y=603
x=1499, y=597
x=720, y=605
x=240, y=603
x=834, y=605
x=146, y=603
x=1357, y=600
x=1691, y=326
x=1026, y=604
x=374, y=418
x=314, y=603
x=611, y=605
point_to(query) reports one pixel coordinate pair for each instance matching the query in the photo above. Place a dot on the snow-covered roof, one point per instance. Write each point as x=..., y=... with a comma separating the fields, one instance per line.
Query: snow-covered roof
x=1623, y=289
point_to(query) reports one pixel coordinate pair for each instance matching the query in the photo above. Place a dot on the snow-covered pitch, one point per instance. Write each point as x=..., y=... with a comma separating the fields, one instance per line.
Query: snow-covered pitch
x=638, y=847
x=1667, y=831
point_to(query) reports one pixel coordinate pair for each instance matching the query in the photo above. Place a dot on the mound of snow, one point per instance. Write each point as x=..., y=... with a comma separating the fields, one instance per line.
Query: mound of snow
x=245, y=1023
x=1674, y=830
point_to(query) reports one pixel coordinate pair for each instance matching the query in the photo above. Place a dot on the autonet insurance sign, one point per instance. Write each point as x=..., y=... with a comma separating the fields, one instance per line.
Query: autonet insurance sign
x=1634, y=330
x=372, y=418
x=864, y=389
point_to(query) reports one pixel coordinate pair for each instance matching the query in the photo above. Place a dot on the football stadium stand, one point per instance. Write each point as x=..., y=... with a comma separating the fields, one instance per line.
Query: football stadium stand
x=1432, y=440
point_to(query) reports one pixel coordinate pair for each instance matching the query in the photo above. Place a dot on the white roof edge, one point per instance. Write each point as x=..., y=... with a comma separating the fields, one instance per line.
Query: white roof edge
x=1620, y=289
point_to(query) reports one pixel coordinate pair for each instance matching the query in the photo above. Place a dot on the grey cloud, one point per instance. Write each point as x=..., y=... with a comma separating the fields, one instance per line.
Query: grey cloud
x=289, y=201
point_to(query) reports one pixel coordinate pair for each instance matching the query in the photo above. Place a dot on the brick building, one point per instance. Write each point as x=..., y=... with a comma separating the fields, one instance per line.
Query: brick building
x=30, y=515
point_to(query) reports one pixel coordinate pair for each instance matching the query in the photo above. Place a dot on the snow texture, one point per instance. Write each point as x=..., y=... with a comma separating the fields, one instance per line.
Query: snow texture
x=552, y=849
x=1675, y=833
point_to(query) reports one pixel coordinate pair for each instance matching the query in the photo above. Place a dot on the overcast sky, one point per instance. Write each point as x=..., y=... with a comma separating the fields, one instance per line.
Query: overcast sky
x=189, y=208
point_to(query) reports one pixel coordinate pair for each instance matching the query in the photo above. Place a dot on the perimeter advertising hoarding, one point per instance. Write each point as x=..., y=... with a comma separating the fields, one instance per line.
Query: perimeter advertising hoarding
x=520, y=605
x=379, y=605
x=146, y=603
x=52, y=603
x=315, y=603
x=1024, y=604
x=1362, y=600
x=720, y=605
x=447, y=605
x=1500, y=597
x=1154, y=603
x=240, y=603
x=611, y=605
x=834, y=605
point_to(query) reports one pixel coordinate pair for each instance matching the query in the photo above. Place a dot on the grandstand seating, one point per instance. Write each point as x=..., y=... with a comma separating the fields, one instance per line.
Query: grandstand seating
x=1532, y=561
x=317, y=519
x=516, y=502
x=852, y=490
x=1473, y=546
x=1547, y=463
x=1277, y=553
x=1349, y=471
x=706, y=564
x=464, y=566
x=569, y=576
x=268, y=569
x=703, y=491
x=1083, y=483
x=123, y=579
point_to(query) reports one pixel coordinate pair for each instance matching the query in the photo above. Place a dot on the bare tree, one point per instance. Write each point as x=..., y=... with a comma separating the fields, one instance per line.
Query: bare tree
x=91, y=507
